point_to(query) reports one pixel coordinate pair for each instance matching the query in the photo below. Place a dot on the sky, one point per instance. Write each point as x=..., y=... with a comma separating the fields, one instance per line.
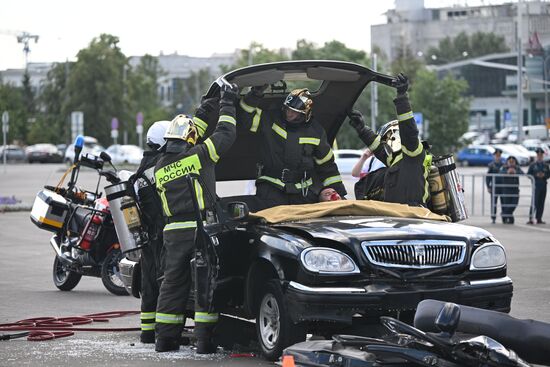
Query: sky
x=188, y=27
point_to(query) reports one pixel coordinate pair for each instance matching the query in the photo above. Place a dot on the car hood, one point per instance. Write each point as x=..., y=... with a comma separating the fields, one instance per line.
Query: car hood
x=349, y=229
x=341, y=85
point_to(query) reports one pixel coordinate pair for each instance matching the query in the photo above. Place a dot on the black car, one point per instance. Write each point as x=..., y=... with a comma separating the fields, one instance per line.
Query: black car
x=346, y=264
x=43, y=153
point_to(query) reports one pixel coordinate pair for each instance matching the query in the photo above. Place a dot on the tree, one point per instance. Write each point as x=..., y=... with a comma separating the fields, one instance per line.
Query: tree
x=188, y=91
x=142, y=94
x=11, y=100
x=443, y=104
x=478, y=44
x=96, y=86
x=52, y=124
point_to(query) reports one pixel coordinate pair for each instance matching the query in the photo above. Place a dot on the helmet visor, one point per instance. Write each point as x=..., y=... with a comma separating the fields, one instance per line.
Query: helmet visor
x=296, y=103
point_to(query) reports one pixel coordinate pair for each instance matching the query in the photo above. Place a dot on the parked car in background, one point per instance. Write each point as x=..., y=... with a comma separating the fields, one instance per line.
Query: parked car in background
x=43, y=153
x=522, y=155
x=121, y=154
x=533, y=144
x=475, y=155
x=14, y=153
x=91, y=145
x=346, y=158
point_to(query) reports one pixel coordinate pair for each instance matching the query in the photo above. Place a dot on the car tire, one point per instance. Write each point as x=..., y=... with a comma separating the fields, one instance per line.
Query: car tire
x=274, y=327
x=64, y=279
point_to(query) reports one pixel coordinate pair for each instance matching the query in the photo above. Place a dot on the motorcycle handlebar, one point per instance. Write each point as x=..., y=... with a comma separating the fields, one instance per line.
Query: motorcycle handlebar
x=530, y=339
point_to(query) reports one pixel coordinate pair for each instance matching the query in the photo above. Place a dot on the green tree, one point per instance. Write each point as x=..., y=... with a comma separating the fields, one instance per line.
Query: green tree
x=96, y=87
x=142, y=94
x=443, y=104
x=52, y=124
x=462, y=46
x=188, y=91
x=11, y=100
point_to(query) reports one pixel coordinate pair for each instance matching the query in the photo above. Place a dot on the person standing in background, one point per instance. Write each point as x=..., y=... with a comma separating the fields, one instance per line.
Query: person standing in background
x=541, y=172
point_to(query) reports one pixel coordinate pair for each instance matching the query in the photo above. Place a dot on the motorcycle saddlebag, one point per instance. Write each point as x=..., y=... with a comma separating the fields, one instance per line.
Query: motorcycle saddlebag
x=49, y=210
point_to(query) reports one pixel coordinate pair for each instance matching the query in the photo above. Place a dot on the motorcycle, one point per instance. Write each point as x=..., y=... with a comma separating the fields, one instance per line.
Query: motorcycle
x=84, y=240
x=444, y=334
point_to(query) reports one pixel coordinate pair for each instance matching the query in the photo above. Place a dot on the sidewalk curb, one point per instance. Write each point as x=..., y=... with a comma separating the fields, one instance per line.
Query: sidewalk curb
x=21, y=207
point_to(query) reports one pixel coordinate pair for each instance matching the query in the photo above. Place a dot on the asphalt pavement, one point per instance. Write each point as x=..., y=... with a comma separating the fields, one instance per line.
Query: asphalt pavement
x=27, y=290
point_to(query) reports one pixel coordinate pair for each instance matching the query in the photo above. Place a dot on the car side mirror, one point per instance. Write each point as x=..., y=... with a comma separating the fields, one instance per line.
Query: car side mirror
x=237, y=210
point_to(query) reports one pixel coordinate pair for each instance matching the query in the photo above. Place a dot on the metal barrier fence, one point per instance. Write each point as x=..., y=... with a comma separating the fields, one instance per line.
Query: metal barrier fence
x=493, y=195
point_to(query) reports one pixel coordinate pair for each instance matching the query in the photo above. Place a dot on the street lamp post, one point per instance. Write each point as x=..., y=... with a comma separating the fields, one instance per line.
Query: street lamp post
x=545, y=74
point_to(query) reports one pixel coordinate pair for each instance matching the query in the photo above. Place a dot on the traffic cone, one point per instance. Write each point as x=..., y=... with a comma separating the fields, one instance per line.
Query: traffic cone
x=288, y=361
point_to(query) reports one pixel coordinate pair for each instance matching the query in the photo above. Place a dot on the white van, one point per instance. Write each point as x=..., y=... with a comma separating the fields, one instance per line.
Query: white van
x=529, y=132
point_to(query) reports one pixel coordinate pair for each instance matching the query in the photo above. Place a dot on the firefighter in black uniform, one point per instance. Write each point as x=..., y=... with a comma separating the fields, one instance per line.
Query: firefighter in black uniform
x=296, y=162
x=151, y=210
x=494, y=185
x=404, y=180
x=541, y=172
x=182, y=156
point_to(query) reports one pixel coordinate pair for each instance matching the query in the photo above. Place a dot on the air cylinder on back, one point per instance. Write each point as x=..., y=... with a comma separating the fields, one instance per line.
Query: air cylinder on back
x=126, y=217
x=453, y=188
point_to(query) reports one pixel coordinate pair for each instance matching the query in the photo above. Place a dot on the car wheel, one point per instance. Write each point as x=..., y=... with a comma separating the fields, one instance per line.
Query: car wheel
x=274, y=327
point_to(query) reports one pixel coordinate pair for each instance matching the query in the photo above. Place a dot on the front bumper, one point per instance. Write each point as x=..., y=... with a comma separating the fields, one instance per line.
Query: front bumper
x=341, y=304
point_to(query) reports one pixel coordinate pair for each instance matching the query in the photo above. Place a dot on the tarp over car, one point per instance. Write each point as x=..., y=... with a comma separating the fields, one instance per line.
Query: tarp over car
x=288, y=213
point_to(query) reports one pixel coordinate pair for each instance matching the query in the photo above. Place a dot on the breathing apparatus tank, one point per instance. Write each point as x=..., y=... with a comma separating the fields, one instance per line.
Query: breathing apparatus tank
x=437, y=192
x=446, y=189
x=126, y=215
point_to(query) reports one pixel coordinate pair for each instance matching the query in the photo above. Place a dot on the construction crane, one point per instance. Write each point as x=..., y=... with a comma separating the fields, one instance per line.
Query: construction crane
x=24, y=38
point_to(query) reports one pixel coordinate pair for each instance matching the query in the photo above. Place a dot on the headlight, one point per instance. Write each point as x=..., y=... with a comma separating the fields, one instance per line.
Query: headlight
x=488, y=256
x=328, y=261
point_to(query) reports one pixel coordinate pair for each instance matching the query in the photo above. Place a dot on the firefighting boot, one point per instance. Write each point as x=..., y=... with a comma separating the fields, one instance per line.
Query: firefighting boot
x=167, y=344
x=206, y=346
x=147, y=337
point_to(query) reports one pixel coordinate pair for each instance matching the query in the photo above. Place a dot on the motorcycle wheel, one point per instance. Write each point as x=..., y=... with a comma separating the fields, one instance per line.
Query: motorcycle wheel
x=110, y=273
x=63, y=278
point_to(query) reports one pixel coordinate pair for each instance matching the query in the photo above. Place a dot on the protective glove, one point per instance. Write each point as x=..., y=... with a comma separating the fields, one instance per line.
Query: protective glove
x=401, y=83
x=229, y=94
x=259, y=90
x=356, y=120
x=208, y=105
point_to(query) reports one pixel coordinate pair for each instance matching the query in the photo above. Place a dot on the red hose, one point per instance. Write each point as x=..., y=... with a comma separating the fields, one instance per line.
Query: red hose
x=42, y=328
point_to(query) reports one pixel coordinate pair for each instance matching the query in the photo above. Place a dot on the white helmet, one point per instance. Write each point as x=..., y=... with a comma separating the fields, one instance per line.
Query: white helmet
x=155, y=134
x=389, y=136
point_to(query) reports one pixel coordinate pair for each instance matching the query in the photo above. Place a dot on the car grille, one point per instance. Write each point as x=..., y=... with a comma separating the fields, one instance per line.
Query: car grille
x=415, y=254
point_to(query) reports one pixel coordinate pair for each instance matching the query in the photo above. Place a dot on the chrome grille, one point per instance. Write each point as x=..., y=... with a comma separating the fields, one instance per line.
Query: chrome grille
x=415, y=254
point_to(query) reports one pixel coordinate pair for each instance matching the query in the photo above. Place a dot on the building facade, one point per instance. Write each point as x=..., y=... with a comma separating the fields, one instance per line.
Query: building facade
x=492, y=79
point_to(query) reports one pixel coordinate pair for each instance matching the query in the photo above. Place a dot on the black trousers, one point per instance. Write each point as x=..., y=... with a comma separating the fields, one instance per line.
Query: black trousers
x=540, y=198
x=151, y=270
x=494, y=203
x=270, y=196
x=179, y=247
x=509, y=201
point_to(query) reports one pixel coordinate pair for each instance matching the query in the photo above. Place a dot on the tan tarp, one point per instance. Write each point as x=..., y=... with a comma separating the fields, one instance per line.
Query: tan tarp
x=287, y=213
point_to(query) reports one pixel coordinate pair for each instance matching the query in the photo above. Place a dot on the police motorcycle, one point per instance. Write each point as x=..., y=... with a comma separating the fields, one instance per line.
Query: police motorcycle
x=84, y=240
x=444, y=334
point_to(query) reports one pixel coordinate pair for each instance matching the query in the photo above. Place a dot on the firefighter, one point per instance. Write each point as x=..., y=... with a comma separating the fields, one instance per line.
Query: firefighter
x=152, y=218
x=182, y=156
x=397, y=145
x=296, y=163
x=541, y=173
